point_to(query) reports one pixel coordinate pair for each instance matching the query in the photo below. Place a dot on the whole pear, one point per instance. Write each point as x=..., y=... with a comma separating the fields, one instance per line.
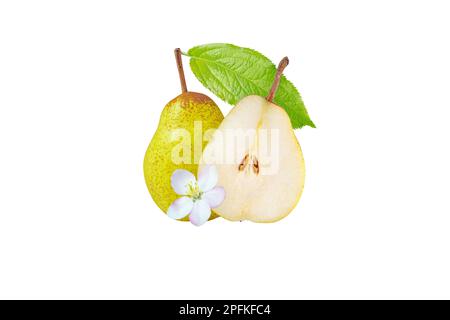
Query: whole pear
x=178, y=140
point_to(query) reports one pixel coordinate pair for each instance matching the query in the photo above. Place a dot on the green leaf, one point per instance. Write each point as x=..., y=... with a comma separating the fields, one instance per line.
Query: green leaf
x=233, y=72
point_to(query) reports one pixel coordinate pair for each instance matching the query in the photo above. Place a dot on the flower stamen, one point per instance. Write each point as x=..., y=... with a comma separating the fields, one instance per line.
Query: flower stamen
x=194, y=191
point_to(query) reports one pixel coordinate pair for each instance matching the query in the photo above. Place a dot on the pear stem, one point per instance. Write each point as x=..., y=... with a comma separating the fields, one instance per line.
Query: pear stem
x=180, y=70
x=283, y=64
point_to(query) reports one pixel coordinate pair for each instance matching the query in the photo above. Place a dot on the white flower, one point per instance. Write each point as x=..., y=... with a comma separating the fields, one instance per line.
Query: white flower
x=198, y=197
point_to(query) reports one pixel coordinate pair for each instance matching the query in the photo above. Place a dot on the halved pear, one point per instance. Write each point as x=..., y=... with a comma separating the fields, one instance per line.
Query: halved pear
x=259, y=162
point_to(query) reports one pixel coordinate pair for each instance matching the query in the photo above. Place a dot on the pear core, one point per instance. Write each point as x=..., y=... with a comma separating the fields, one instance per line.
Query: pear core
x=259, y=161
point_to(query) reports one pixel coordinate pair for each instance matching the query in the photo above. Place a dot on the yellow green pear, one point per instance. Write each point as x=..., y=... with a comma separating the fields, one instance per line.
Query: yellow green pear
x=179, y=140
x=259, y=160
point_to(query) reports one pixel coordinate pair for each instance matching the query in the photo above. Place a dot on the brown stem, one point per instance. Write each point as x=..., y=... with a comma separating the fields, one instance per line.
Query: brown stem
x=283, y=64
x=180, y=70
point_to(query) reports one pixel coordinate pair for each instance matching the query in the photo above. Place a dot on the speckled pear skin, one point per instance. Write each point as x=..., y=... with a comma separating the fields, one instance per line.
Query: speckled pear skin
x=181, y=112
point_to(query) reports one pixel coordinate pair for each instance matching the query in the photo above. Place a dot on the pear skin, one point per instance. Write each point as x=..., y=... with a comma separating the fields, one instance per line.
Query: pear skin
x=186, y=111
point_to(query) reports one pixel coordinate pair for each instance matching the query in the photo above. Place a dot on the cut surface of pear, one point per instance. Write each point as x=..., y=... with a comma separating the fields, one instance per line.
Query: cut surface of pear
x=259, y=161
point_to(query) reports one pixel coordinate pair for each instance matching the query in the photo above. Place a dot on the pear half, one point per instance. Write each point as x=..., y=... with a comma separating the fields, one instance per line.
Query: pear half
x=259, y=162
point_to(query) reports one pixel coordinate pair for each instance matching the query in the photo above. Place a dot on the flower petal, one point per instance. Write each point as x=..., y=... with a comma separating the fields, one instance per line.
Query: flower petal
x=214, y=197
x=200, y=213
x=180, y=180
x=180, y=208
x=207, y=178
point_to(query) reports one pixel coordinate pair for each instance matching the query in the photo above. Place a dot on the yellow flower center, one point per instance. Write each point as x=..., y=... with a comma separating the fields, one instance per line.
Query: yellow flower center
x=194, y=191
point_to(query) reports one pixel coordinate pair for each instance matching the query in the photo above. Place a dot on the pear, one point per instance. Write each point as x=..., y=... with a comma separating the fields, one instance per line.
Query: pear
x=178, y=140
x=258, y=159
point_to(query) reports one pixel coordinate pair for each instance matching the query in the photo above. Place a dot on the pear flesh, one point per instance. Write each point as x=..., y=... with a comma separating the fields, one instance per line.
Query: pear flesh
x=259, y=162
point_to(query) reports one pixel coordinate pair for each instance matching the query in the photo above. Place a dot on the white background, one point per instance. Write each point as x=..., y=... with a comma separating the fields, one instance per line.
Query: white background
x=82, y=84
